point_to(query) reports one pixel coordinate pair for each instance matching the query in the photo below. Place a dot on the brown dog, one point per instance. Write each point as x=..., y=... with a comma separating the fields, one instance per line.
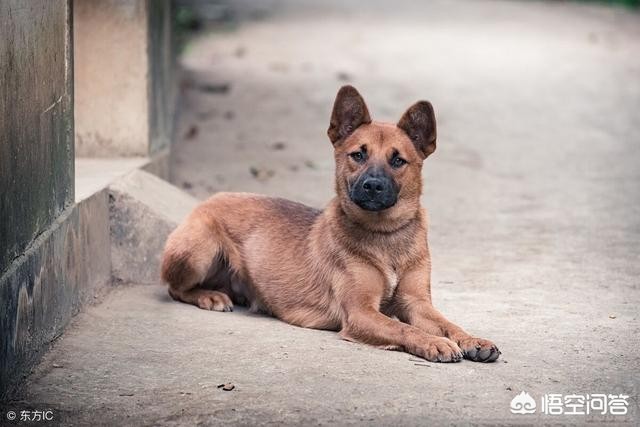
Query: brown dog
x=361, y=266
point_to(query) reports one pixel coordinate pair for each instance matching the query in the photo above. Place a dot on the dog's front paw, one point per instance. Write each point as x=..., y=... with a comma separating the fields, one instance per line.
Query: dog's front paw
x=441, y=349
x=479, y=350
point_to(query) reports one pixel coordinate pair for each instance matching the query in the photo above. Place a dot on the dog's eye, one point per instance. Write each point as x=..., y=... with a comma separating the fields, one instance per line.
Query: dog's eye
x=398, y=162
x=358, y=156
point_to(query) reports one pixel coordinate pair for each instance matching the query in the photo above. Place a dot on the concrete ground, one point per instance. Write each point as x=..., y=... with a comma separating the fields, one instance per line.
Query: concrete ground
x=534, y=201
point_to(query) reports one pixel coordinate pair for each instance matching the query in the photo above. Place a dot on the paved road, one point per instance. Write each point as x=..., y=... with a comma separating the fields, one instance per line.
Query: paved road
x=533, y=194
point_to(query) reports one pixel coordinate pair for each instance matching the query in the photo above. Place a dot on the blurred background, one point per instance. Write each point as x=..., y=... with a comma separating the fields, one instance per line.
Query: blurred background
x=533, y=197
x=537, y=106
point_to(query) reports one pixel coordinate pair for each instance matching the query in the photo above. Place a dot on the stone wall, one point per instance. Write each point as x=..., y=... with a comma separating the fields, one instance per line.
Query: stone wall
x=36, y=120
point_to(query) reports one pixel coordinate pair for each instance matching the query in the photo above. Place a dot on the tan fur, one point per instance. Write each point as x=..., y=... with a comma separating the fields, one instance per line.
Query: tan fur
x=363, y=273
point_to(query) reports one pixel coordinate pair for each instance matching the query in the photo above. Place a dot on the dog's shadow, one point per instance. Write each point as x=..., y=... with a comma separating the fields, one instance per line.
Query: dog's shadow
x=161, y=295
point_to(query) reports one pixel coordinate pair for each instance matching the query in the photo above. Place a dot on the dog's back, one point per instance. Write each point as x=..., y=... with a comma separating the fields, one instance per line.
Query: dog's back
x=246, y=245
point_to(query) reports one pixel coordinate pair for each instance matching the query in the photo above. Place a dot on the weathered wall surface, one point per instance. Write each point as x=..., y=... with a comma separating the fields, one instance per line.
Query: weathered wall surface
x=36, y=120
x=111, y=103
x=66, y=267
x=123, y=77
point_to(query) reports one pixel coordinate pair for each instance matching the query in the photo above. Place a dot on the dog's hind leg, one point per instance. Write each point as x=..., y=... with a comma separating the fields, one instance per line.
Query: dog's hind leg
x=204, y=298
x=192, y=254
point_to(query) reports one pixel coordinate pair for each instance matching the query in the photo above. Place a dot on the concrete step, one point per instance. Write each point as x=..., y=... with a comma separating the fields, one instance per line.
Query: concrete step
x=143, y=210
x=114, y=233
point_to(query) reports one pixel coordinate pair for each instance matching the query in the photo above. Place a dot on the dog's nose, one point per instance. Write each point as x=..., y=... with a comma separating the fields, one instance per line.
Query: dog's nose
x=373, y=186
x=374, y=191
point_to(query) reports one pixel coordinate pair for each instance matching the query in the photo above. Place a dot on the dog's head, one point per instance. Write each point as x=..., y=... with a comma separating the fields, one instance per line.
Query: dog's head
x=378, y=165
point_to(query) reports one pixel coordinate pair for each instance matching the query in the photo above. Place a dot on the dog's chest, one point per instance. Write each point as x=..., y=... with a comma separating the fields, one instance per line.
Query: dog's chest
x=391, y=279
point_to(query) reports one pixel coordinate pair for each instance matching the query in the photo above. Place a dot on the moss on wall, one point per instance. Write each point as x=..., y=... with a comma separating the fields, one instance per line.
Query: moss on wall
x=36, y=120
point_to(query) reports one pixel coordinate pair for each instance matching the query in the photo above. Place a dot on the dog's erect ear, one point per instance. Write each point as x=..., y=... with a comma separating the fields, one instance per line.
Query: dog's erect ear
x=419, y=122
x=349, y=112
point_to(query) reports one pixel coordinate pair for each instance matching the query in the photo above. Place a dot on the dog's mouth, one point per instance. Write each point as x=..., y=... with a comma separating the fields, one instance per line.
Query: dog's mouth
x=374, y=205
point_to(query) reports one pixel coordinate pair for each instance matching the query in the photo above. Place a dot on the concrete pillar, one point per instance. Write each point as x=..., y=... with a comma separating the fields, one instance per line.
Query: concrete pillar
x=123, y=77
x=39, y=226
x=36, y=120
